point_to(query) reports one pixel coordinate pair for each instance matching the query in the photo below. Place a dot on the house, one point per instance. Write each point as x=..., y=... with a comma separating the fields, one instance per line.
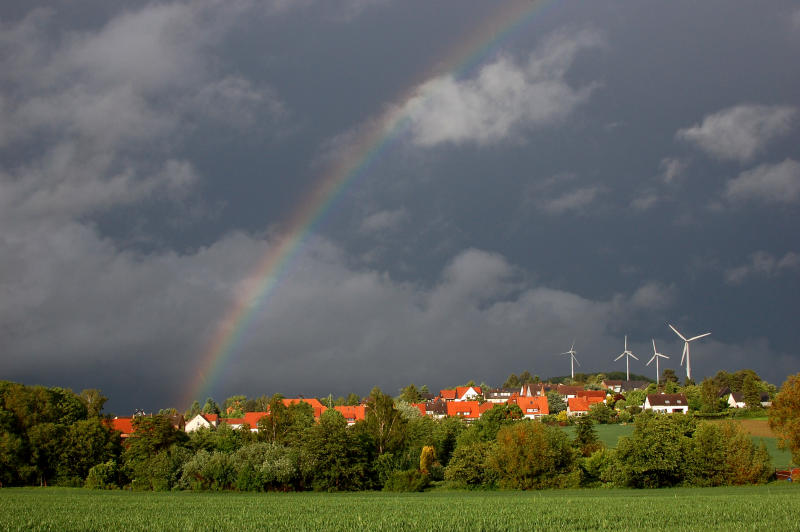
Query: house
x=499, y=395
x=623, y=386
x=593, y=393
x=315, y=405
x=468, y=410
x=208, y=421
x=532, y=407
x=568, y=392
x=669, y=403
x=736, y=400
x=352, y=414
x=436, y=409
x=233, y=422
x=252, y=419
x=579, y=406
x=122, y=424
x=461, y=393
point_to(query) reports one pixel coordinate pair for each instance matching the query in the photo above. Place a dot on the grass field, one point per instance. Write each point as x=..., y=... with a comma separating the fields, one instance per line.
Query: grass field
x=772, y=507
x=757, y=428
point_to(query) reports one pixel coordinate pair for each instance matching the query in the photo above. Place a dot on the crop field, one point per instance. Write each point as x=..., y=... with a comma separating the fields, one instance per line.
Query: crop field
x=757, y=428
x=771, y=507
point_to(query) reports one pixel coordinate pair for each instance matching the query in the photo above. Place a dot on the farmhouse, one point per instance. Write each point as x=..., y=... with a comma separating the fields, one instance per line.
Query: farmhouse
x=352, y=413
x=207, y=421
x=736, y=400
x=579, y=406
x=669, y=403
x=532, y=407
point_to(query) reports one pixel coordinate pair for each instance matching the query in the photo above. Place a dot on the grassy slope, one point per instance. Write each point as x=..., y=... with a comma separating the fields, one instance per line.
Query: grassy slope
x=771, y=507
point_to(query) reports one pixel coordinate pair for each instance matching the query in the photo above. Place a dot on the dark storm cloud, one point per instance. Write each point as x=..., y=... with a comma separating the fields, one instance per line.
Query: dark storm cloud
x=594, y=177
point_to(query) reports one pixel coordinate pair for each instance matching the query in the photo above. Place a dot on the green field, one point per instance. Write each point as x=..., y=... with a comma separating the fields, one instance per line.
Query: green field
x=609, y=434
x=772, y=507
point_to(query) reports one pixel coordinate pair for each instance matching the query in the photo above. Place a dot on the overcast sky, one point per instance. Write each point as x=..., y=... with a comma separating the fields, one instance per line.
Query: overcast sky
x=599, y=170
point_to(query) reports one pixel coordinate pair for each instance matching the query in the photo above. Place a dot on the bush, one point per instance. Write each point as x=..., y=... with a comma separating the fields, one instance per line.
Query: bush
x=467, y=466
x=408, y=480
x=102, y=476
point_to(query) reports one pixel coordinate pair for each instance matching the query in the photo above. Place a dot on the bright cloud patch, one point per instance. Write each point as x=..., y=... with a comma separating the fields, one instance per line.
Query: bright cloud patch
x=768, y=183
x=503, y=98
x=739, y=133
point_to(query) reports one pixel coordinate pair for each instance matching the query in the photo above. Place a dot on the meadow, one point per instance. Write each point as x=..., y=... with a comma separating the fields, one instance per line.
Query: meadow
x=757, y=428
x=770, y=507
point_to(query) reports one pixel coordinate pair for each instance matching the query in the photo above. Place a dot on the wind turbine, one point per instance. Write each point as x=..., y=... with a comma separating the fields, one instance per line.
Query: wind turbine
x=686, y=349
x=656, y=356
x=573, y=360
x=627, y=354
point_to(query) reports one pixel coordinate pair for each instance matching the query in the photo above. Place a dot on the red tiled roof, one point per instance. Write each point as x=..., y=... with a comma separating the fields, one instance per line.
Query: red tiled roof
x=251, y=418
x=315, y=404
x=592, y=393
x=122, y=424
x=536, y=405
x=461, y=390
x=211, y=418
x=467, y=409
x=582, y=404
x=233, y=420
x=448, y=395
x=352, y=413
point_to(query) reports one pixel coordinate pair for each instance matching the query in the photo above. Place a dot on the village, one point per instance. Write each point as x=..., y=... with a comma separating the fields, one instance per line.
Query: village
x=470, y=402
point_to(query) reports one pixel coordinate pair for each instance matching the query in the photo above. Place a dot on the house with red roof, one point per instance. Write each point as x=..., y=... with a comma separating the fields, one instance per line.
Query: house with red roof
x=252, y=419
x=461, y=393
x=532, y=407
x=315, y=405
x=567, y=392
x=208, y=421
x=352, y=414
x=579, y=406
x=420, y=407
x=468, y=410
x=122, y=424
x=669, y=403
x=593, y=393
x=233, y=422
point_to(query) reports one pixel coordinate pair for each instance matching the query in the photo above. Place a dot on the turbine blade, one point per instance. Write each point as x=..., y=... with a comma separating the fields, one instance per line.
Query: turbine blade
x=654, y=346
x=684, y=352
x=662, y=355
x=648, y=363
x=634, y=356
x=576, y=361
x=676, y=332
x=622, y=355
x=698, y=336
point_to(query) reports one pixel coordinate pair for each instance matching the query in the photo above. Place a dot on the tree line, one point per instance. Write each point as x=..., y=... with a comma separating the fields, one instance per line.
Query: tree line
x=51, y=436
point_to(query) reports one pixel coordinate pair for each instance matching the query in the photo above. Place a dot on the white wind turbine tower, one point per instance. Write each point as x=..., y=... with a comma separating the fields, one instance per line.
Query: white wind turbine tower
x=656, y=356
x=686, y=348
x=573, y=360
x=627, y=354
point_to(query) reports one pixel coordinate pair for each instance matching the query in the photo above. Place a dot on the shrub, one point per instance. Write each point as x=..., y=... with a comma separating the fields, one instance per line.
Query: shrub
x=102, y=476
x=467, y=466
x=408, y=480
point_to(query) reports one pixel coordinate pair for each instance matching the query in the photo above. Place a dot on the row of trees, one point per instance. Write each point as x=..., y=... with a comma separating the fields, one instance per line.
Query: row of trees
x=52, y=436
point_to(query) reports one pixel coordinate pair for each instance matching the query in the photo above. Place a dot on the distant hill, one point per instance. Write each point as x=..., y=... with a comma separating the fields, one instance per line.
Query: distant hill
x=611, y=375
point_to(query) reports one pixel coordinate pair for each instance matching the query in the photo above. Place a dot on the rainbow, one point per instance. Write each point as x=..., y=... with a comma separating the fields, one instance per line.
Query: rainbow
x=359, y=156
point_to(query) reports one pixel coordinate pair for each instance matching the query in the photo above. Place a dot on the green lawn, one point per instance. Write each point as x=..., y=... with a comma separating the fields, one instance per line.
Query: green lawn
x=771, y=507
x=609, y=434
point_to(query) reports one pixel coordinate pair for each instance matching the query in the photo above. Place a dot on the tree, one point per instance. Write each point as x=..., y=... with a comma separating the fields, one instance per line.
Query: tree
x=338, y=460
x=709, y=401
x=410, y=394
x=94, y=400
x=384, y=421
x=668, y=375
x=784, y=416
x=586, y=440
x=512, y=381
x=193, y=410
x=211, y=407
x=426, y=458
x=234, y=405
x=751, y=392
x=532, y=455
x=555, y=402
